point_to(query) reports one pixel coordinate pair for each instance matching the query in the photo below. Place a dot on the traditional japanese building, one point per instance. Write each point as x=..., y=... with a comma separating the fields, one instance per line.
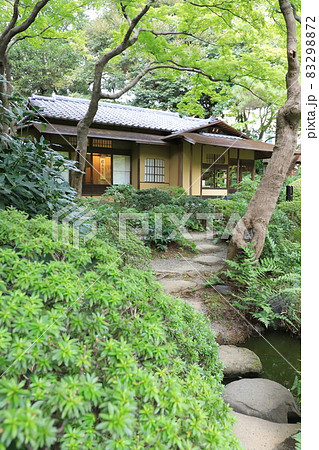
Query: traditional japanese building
x=150, y=148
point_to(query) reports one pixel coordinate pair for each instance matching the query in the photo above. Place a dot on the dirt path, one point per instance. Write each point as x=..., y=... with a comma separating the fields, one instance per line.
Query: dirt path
x=186, y=277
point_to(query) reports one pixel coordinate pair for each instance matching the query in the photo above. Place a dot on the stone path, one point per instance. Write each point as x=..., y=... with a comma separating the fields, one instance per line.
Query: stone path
x=200, y=265
x=185, y=277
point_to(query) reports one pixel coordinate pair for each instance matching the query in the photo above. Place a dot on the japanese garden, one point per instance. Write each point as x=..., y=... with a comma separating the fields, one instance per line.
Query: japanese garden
x=150, y=224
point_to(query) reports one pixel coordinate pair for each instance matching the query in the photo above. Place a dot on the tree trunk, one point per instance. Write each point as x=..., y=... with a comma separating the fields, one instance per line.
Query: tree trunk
x=129, y=39
x=253, y=225
x=82, y=141
x=6, y=37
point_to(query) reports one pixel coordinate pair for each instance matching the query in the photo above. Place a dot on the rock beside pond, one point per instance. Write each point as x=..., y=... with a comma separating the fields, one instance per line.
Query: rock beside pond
x=259, y=434
x=262, y=398
x=239, y=361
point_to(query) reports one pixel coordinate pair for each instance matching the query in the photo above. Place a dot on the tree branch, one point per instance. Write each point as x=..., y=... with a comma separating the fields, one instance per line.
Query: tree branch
x=184, y=33
x=27, y=22
x=218, y=6
x=213, y=79
x=13, y=20
x=118, y=94
x=298, y=18
x=123, y=8
x=29, y=36
x=134, y=22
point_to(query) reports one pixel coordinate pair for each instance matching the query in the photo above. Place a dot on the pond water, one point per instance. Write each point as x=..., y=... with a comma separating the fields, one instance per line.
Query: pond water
x=277, y=367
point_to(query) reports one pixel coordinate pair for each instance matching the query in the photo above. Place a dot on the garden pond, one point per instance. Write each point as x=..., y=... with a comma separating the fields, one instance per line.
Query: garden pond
x=280, y=355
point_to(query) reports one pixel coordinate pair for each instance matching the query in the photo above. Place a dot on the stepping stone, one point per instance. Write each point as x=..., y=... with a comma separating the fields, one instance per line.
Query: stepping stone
x=196, y=304
x=180, y=266
x=207, y=259
x=196, y=236
x=254, y=433
x=173, y=285
x=239, y=361
x=262, y=398
x=207, y=248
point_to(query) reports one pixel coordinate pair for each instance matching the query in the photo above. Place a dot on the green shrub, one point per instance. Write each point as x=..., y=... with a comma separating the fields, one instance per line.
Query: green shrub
x=236, y=204
x=176, y=191
x=166, y=226
x=30, y=171
x=293, y=208
x=31, y=176
x=147, y=199
x=93, y=356
x=121, y=195
x=132, y=250
x=194, y=206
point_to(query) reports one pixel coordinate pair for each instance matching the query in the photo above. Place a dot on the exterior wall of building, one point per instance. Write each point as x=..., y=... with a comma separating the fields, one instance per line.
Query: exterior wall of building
x=214, y=192
x=135, y=166
x=154, y=152
x=183, y=161
x=196, y=170
x=246, y=154
x=175, y=165
x=186, y=165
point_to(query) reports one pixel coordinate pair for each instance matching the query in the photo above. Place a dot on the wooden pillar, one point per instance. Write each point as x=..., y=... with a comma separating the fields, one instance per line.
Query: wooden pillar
x=190, y=171
x=138, y=166
x=201, y=169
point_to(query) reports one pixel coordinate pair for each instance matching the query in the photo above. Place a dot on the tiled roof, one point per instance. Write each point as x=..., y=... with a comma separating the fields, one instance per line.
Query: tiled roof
x=68, y=108
x=220, y=135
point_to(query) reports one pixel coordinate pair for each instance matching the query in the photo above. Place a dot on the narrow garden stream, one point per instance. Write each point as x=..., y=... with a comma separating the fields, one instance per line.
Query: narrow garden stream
x=275, y=366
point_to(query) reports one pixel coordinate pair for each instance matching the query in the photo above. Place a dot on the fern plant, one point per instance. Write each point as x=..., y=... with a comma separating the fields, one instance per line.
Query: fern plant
x=265, y=289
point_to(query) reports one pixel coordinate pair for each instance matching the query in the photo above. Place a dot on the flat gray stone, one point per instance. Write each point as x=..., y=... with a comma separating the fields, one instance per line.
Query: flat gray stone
x=196, y=236
x=259, y=434
x=173, y=285
x=265, y=399
x=239, y=361
x=207, y=248
x=207, y=259
x=180, y=266
x=196, y=304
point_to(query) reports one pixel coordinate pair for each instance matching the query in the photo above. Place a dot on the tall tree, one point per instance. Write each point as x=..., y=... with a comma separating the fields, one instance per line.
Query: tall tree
x=14, y=27
x=35, y=22
x=253, y=225
x=176, y=36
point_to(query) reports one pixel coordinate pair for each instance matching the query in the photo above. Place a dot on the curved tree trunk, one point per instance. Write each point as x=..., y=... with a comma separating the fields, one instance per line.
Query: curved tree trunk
x=253, y=225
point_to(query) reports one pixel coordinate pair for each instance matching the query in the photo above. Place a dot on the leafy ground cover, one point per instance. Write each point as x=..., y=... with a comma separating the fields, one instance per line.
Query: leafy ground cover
x=93, y=355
